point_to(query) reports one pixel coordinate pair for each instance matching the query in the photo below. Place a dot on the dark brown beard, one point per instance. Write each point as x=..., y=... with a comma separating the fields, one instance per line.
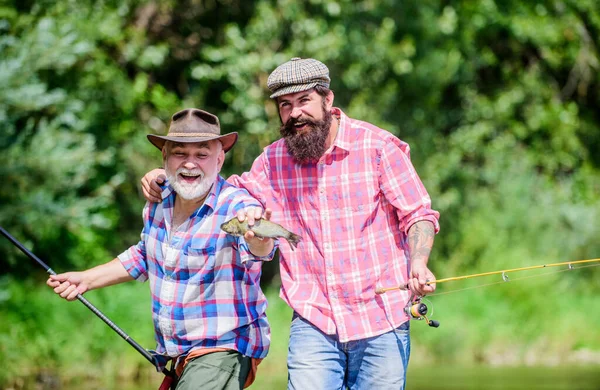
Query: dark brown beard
x=308, y=146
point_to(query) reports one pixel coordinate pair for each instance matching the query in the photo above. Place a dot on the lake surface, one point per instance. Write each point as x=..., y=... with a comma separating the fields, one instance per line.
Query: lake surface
x=420, y=378
x=505, y=378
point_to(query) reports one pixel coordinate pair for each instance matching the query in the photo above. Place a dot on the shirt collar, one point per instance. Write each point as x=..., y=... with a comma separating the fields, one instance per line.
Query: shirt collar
x=342, y=138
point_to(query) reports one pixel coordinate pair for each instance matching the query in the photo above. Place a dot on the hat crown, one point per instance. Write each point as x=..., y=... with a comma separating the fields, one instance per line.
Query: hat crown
x=194, y=125
x=194, y=122
x=298, y=75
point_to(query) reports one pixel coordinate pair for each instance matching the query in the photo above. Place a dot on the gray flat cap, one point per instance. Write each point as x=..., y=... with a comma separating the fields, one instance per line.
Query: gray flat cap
x=297, y=75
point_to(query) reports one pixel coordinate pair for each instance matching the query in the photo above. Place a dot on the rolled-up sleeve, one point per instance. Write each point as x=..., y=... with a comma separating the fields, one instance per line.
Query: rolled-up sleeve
x=402, y=187
x=134, y=258
x=246, y=255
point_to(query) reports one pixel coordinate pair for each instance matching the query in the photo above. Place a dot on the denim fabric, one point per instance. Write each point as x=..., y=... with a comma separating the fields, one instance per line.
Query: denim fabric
x=320, y=361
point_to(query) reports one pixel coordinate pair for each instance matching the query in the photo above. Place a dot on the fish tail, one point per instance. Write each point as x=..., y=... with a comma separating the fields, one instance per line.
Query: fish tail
x=293, y=240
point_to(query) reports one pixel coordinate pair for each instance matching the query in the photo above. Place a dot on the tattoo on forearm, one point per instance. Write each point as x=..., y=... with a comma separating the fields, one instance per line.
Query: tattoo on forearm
x=420, y=240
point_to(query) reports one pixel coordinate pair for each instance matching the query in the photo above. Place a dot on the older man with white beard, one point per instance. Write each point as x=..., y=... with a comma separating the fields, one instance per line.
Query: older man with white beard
x=208, y=308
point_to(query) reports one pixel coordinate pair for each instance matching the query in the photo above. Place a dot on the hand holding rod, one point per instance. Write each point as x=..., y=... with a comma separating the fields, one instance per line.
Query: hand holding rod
x=381, y=290
x=87, y=304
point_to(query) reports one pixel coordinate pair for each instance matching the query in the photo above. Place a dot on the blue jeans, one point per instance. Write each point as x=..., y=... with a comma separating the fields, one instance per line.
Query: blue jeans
x=320, y=361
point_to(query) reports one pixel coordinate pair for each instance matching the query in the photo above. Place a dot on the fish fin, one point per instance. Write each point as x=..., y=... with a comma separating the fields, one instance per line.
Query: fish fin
x=293, y=240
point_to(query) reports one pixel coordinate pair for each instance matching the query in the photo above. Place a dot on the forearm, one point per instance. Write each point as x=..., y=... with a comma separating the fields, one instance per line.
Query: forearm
x=106, y=274
x=420, y=241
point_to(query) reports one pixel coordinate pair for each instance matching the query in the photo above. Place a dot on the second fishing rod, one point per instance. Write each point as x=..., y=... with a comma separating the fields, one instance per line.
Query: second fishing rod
x=87, y=304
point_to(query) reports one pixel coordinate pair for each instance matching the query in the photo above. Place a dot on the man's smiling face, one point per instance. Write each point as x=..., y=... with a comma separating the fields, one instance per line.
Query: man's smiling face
x=192, y=168
x=306, y=121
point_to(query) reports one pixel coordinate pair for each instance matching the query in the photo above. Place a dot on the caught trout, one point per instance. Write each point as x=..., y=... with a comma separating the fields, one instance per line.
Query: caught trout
x=261, y=228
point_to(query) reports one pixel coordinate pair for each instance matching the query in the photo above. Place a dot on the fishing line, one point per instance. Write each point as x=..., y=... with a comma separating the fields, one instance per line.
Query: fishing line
x=416, y=309
x=381, y=290
x=511, y=280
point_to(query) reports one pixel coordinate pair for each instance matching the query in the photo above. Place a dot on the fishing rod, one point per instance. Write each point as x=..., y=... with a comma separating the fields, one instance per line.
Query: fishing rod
x=381, y=290
x=87, y=304
x=417, y=310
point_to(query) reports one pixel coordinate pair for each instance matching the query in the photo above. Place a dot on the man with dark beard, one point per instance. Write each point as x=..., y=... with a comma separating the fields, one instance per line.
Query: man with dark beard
x=349, y=188
x=307, y=146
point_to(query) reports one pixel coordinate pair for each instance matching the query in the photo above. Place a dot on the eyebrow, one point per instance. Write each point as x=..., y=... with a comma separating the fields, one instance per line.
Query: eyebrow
x=298, y=98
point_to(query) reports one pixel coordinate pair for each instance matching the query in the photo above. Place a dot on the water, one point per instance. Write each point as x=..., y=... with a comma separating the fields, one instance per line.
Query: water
x=419, y=378
x=504, y=378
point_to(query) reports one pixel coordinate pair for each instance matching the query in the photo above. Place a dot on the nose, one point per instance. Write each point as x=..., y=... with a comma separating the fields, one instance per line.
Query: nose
x=296, y=113
x=188, y=164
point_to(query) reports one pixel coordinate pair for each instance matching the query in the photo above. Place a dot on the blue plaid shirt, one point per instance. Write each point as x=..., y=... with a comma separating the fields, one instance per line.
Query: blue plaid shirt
x=204, y=282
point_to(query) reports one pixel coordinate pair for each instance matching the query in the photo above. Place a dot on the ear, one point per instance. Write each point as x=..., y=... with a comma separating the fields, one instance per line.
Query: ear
x=220, y=160
x=329, y=100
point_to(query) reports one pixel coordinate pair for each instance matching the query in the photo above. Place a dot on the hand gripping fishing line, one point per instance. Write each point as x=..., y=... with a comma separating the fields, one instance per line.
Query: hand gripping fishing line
x=170, y=375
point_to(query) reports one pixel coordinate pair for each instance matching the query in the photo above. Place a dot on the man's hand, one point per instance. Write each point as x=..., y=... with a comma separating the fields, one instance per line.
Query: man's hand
x=150, y=185
x=258, y=246
x=418, y=278
x=68, y=285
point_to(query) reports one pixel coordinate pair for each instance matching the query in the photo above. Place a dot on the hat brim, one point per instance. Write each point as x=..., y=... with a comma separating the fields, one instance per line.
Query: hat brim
x=294, y=88
x=228, y=140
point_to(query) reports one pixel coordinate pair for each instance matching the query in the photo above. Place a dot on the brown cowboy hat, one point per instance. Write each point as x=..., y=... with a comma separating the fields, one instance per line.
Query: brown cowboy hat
x=194, y=125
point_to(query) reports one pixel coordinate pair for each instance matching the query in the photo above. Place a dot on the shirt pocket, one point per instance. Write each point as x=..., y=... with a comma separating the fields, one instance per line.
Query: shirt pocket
x=200, y=264
x=355, y=193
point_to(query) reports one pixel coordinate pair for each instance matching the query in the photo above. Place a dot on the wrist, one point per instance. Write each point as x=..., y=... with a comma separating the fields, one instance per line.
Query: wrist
x=417, y=261
x=262, y=247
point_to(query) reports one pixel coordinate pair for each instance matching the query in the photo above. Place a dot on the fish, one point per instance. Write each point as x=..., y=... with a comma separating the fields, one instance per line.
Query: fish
x=261, y=228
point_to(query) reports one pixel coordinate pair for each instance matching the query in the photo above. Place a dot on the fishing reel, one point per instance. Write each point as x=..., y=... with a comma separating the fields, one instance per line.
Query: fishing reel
x=417, y=310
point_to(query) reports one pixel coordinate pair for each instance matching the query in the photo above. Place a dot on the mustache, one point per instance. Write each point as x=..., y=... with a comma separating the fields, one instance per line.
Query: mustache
x=190, y=172
x=288, y=128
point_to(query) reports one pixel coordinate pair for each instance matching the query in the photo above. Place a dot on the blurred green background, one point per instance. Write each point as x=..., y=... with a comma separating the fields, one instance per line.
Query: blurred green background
x=499, y=100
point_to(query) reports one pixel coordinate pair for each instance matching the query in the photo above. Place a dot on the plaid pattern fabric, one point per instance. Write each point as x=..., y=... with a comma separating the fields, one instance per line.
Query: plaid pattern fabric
x=297, y=75
x=353, y=209
x=204, y=283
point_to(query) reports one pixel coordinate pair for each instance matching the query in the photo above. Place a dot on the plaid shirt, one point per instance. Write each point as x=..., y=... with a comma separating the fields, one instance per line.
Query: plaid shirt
x=204, y=282
x=353, y=209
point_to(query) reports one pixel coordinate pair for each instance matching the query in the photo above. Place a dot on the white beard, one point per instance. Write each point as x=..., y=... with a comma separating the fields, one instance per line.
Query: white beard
x=189, y=191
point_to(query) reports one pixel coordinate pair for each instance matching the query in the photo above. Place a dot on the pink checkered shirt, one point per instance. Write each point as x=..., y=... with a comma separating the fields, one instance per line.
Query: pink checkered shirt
x=353, y=209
